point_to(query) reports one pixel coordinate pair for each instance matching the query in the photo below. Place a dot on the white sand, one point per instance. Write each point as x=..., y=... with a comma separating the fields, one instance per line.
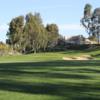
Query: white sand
x=82, y=57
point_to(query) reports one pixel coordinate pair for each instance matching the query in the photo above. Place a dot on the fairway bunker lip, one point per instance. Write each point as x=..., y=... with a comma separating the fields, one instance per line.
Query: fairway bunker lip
x=82, y=57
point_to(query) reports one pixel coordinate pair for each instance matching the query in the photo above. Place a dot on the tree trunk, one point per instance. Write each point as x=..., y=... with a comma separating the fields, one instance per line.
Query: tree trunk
x=98, y=38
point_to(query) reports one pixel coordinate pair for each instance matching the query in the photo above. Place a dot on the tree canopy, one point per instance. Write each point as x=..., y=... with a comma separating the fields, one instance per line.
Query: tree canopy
x=28, y=34
x=91, y=22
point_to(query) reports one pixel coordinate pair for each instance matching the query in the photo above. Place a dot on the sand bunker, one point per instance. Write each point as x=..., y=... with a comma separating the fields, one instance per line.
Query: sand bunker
x=82, y=57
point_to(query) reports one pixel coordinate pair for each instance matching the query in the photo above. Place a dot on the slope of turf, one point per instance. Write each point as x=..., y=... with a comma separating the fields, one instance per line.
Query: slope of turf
x=49, y=56
x=46, y=76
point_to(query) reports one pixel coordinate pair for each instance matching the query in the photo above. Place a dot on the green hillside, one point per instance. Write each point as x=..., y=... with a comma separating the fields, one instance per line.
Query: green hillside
x=46, y=76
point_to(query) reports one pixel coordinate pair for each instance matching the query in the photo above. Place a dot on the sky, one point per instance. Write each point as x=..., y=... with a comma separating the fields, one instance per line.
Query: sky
x=65, y=13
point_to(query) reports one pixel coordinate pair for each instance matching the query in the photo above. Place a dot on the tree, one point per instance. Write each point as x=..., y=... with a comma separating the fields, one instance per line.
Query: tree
x=15, y=32
x=53, y=34
x=91, y=22
x=35, y=34
x=29, y=34
x=87, y=10
x=86, y=20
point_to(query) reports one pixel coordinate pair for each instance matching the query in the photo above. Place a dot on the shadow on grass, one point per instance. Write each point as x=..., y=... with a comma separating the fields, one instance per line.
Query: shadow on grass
x=56, y=63
x=96, y=55
x=73, y=91
x=56, y=75
x=79, y=70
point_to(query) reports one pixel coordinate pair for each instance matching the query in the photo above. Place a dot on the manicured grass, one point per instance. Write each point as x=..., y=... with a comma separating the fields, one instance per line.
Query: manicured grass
x=32, y=57
x=45, y=76
x=49, y=56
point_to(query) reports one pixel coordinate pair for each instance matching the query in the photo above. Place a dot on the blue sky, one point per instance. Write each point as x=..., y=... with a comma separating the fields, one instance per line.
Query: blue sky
x=65, y=13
